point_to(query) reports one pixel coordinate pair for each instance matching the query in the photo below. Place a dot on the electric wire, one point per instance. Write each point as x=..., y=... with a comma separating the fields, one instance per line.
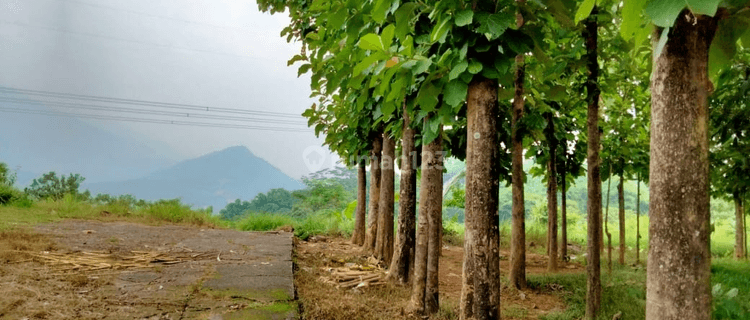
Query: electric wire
x=144, y=120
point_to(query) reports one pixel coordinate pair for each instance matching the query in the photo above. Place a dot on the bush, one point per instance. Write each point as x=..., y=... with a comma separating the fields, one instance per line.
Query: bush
x=50, y=186
x=263, y=222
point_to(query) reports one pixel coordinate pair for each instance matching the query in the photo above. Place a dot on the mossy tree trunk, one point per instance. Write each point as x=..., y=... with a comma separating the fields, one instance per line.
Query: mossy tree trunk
x=373, y=209
x=403, y=259
x=480, y=291
x=678, y=282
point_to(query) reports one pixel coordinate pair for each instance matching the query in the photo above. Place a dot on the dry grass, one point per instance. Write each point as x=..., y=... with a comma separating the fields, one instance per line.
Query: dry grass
x=17, y=245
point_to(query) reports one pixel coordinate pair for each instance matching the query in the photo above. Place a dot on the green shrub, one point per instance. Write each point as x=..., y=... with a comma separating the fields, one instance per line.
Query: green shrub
x=263, y=222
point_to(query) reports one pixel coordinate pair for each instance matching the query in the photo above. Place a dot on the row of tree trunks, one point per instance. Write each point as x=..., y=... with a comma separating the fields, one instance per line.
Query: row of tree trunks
x=563, y=208
x=424, y=298
x=384, y=241
x=480, y=293
x=593, y=265
x=679, y=260
x=402, y=264
x=372, y=218
x=517, y=274
x=358, y=235
x=621, y=215
x=551, y=196
x=739, y=211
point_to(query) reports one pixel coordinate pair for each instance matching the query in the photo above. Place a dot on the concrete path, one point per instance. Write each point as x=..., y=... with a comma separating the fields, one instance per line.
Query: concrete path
x=223, y=274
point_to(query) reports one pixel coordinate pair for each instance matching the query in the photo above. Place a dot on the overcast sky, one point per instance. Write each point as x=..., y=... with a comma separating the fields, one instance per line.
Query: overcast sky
x=216, y=53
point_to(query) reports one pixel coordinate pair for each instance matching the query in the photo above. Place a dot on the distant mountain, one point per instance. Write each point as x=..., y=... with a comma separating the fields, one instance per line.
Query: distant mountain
x=211, y=180
x=37, y=144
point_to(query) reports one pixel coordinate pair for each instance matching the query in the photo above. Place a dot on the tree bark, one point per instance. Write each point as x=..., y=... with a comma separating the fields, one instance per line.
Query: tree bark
x=739, y=230
x=403, y=259
x=480, y=292
x=517, y=274
x=638, y=222
x=594, y=206
x=384, y=242
x=358, y=235
x=372, y=218
x=551, y=197
x=563, y=208
x=606, y=224
x=424, y=297
x=621, y=216
x=679, y=260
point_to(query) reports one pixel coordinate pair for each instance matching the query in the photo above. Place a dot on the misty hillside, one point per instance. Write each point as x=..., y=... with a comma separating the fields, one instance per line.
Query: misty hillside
x=39, y=144
x=211, y=180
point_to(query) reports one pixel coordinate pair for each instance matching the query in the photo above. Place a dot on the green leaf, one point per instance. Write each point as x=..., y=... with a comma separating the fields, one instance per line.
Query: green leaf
x=495, y=24
x=303, y=69
x=631, y=18
x=440, y=31
x=475, y=66
x=455, y=92
x=464, y=17
x=707, y=7
x=584, y=10
x=724, y=46
x=371, y=41
x=387, y=109
x=446, y=55
x=427, y=98
x=404, y=16
x=663, y=13
x=408, y=46
x=379, y=10
x=458, y=69
x=387, y=36
x=422, y=66
x=662, y=42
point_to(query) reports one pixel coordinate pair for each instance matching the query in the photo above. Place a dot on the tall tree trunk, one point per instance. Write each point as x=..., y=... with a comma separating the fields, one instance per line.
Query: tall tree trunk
x=606, y=224
x=551, y=197
x=564, y=210
x=435, y=217
x=744, y=223
x=593, y=268
x=384, y=242
x=372, y=218
x=403, y=258
x=358, y=236
x=480, y=293
x=621, y=216
x=638, y=221
x=424, y=296
x=739, y=230
x=517, y=274
x=678, y=282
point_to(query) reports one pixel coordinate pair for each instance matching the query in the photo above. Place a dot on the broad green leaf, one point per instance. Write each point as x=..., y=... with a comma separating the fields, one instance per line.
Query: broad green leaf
x=371, y=41
x=631, y=18
x=584, y=10
x=732, y=293
x=458, y=69
x=427, y=98
x=707, y=7
x=364, y=64
x=724, y=45
x=408, y=46
x=337, y=20
x=387, y=36
x=422, y=66
x=455, y=92
x=303, y=69
x=379, y=10
x=387, y=108
x=464, y=17
x=663, y=13
x=662, y=42
x=440, y=31
x=475, y=66
x=495, y=24
x=404, y=16
x=446, y=55
x=294, y=59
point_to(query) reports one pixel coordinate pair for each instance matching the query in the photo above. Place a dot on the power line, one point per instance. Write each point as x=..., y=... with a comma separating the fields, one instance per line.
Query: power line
x=145, y=103
x=144, y=120
x=142, y=111
x=96, y=35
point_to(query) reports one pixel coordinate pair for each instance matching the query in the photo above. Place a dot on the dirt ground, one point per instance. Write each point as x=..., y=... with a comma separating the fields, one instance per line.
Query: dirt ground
x=320, y=299
x=118, y=270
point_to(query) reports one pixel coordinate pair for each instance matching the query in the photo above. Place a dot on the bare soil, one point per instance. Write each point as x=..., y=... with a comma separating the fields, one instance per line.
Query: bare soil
x=319, y=299
x=118, y=270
